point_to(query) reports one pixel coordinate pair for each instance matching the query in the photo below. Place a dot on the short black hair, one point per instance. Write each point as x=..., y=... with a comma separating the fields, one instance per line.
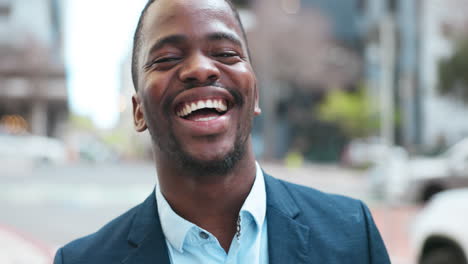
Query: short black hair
x=137, y=38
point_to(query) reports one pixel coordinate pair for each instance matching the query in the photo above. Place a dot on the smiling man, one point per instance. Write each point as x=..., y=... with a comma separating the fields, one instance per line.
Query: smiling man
x=196, y=93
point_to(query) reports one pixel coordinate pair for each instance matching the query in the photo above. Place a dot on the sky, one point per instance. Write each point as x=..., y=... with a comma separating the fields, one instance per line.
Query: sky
x=98, y=37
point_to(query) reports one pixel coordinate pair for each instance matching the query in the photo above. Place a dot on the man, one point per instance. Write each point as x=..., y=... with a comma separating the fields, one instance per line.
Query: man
x=197, y=95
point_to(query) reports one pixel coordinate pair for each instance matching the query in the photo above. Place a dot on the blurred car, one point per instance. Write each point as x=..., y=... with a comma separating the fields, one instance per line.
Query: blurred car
x=29, y=148
x=388, y=177
x=439, y=234
x=89, y=148
x=364, y=152
x=418, y=179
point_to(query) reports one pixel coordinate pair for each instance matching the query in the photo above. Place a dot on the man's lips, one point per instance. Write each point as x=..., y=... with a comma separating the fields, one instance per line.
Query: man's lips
x=207, y=97
x=204, y=111
x=214, y=105
x=205, y=126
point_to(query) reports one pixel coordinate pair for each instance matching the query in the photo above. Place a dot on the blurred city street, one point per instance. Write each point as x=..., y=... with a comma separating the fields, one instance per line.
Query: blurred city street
x=53, y=205
x=362, y=98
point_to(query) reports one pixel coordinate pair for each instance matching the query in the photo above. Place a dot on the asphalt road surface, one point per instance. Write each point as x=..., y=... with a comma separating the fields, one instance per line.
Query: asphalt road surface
x=50, y=206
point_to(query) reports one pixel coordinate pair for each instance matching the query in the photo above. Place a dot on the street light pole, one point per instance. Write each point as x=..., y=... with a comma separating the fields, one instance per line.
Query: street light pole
x=387, y=57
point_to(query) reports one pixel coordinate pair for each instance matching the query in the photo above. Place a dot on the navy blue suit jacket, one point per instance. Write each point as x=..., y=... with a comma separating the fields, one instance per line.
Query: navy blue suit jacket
x=304, y=226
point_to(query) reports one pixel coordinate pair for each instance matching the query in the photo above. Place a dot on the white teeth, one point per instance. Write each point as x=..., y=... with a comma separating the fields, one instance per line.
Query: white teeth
x=206, y=118
x=219, y=105
x=201, y=105
x=223, y=107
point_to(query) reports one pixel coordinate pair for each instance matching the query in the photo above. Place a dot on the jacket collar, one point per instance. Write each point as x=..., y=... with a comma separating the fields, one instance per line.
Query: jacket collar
x=287, y=238
x=146, y=236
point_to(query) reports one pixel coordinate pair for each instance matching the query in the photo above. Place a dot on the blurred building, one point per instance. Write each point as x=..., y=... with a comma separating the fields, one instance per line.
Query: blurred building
x=404, y=42
x=301, y=50
x=33, y=92
x=391, y=32
x=345, y=17
x=444, y=118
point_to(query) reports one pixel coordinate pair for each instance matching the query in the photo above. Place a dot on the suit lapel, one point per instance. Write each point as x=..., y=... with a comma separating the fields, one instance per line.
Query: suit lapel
x=288, y=240
x=146, y=236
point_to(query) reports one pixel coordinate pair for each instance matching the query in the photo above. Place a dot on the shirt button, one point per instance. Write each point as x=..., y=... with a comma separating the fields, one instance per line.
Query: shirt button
x=203, y=235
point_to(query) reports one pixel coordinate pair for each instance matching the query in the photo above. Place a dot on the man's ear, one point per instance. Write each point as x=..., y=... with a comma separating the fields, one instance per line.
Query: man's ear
x=257, y=110
x=138, y=115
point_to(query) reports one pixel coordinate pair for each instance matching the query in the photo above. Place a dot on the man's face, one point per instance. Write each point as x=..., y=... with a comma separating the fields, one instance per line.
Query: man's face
x=197, y=91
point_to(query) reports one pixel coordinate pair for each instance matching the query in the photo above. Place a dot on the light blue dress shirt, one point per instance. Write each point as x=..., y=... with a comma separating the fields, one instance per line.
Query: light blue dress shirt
x=188, y=243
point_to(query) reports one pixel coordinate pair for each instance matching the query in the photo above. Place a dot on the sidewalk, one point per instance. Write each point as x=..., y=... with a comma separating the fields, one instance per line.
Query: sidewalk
x=394, y=224
x=17, y=248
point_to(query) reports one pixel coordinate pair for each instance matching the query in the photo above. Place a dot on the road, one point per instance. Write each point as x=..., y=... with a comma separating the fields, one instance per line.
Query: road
x=54, y=205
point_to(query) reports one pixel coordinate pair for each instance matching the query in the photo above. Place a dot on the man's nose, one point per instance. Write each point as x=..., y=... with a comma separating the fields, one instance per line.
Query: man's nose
x=199, y=68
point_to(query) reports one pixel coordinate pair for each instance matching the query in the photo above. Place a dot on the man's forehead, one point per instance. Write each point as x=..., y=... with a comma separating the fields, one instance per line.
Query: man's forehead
x=166, y=13
x=194, y=5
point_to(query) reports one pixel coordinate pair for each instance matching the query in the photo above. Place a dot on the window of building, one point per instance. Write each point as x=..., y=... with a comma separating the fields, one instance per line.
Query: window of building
x=362, y=5
x=5, y=9
x=392, y=6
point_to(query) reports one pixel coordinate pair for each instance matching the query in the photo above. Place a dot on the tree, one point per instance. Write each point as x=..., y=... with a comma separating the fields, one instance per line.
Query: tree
x=350, y=111
x=453, y=77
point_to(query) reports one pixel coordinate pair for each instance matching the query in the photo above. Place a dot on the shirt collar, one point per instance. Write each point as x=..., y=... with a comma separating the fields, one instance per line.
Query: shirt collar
x=175, y=228
x=255, y=203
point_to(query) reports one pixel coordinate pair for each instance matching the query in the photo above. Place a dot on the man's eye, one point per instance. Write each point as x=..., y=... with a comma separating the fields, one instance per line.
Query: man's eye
x=227, y=57
x=163, y=63
x=167, y=59
x=226, y=54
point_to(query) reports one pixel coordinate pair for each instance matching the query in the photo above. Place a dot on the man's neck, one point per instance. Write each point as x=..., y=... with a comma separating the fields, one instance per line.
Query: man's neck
x=212, y=203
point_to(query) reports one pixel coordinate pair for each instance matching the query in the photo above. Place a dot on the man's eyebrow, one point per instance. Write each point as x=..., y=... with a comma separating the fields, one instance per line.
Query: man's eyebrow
x=225, y=36
x=172, y=39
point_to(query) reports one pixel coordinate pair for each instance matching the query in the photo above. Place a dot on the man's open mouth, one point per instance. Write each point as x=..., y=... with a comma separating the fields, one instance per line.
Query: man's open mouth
x=202, y=109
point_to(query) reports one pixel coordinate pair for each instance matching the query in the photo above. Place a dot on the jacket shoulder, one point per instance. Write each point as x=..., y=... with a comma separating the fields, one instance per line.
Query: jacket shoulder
x=337, y=223
x=332, y=205
x=112, y=237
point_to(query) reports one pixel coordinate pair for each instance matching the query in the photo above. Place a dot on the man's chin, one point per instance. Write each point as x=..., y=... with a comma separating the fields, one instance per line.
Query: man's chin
x=207, y=167
x=203, y=160
x=211, y=165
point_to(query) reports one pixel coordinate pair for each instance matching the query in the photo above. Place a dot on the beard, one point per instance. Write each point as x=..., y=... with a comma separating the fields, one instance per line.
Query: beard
x=204, y=168
x=172, y=148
